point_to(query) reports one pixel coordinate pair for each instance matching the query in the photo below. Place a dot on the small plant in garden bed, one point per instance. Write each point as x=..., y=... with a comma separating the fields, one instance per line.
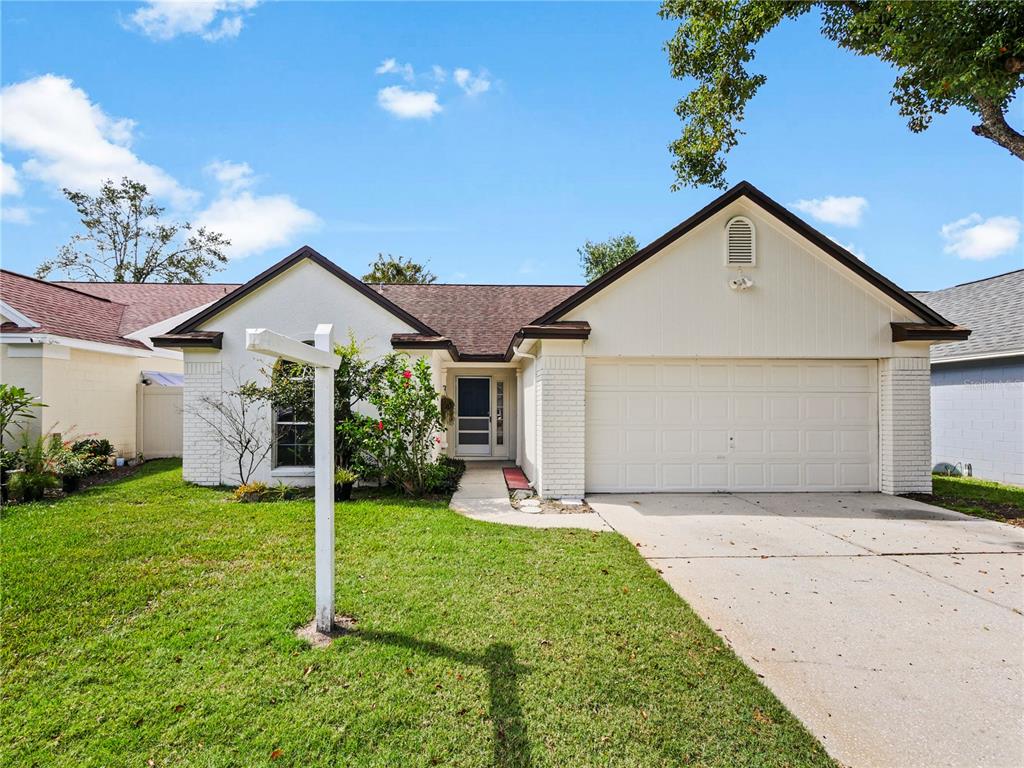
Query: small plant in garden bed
x=344, y=479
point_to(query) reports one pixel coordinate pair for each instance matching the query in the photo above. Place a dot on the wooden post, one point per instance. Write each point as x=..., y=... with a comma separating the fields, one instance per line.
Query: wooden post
x=323, y=386
x=321, y=356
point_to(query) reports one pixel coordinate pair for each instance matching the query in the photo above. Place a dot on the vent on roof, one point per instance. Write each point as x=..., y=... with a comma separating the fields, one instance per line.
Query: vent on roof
x=739, y=242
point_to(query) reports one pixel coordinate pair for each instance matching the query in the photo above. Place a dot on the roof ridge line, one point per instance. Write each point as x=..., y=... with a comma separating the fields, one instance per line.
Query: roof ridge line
x=114, y=282
x=979, y=280
x=483, y=285
x=62, y=287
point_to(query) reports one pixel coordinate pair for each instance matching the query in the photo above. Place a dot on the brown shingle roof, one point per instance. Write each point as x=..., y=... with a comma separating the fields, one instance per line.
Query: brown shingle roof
x=479, y=319
x=148, y=303
x=63, y=311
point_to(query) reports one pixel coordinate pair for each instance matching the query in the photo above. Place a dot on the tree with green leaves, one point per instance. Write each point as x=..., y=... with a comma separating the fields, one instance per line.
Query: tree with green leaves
x=598, y=258
x=395, y=269
x=125, y=241
x=947, y=54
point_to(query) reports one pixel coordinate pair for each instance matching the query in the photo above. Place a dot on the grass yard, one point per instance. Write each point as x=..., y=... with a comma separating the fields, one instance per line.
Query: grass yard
x=147, y=622
x=981, y=498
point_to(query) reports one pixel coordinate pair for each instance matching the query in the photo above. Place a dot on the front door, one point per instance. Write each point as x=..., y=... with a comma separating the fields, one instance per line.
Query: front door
x=473, y=408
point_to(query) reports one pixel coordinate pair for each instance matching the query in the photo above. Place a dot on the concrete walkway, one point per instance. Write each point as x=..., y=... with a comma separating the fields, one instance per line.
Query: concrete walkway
x=482, y=495
x=891, y=628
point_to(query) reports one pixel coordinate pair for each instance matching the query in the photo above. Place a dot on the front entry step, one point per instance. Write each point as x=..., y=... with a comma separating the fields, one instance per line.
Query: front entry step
x=515, y=479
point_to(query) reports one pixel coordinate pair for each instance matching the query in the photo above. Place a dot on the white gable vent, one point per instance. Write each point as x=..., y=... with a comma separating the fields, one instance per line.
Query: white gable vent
x=739, y=242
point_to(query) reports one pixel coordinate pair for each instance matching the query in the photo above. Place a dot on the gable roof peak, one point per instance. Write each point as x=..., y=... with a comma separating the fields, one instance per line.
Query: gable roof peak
x=783, y=215
x=310, y=253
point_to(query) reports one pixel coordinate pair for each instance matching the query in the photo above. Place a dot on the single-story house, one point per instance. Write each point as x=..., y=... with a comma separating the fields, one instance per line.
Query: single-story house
x=83, y=349
x=741, y=351
x=978, y=383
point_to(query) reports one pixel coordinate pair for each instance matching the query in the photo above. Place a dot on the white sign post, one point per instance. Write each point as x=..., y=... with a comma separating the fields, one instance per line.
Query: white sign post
x=324, y=363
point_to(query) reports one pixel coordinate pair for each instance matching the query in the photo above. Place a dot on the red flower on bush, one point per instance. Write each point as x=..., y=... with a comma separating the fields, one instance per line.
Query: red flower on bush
x=380, y=426
x=406, y=374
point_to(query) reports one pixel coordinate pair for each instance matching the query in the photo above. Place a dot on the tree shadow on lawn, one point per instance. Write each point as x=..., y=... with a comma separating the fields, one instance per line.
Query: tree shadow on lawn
x=511, y=745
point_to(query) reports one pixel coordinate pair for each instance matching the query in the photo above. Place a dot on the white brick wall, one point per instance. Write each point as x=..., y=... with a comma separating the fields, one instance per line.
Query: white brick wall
x=560, y=385
x=904, y=424
x=201, y=460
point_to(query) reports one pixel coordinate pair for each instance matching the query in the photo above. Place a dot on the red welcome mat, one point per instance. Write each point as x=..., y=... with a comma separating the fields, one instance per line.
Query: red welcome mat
x=515, y=479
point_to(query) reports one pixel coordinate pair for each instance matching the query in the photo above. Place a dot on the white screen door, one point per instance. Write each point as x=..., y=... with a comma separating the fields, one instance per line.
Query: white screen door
x=473, y=403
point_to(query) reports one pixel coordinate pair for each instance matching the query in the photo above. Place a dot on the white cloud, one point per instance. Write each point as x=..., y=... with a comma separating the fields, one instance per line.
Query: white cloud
x=392, y=67
x=9, y=184
x=978, y=239
x=72, y=142
x=233, y=177
x=253, y=223
x=841, y=211
x=211, y=20
x=439, y=73
x=407, y=104
x=15, y=214
x=472, y=84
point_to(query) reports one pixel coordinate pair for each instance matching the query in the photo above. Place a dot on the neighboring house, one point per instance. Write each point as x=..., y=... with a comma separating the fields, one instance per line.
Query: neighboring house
x=743, y=350
x=978, y=383
x=83, y=348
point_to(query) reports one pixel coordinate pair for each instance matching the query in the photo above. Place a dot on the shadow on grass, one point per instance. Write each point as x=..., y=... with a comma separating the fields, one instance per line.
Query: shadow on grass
x=511, y=745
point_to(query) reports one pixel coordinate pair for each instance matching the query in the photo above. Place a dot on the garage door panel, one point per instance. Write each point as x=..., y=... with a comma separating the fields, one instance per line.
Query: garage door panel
x=675, y=441
x=746, y=425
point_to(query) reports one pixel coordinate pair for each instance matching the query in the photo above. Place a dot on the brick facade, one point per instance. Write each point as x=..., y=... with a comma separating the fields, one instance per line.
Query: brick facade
x=904, y=423
x=201, y=463
x=560, y=386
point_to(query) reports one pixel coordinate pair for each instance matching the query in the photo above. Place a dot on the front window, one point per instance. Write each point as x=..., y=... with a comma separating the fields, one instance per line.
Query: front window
x=293, y=427
x=293, y=440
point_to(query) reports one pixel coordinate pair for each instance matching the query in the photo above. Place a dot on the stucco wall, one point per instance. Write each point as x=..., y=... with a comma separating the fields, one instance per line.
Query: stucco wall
x=978, y=417
x=803, y=303
x=293, y=304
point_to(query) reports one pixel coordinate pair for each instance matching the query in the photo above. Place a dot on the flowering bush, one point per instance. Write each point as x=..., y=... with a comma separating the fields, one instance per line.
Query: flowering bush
x=401, y=444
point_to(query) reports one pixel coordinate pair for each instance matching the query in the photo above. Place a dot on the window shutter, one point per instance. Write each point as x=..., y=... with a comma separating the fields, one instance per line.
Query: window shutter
x=739, y=242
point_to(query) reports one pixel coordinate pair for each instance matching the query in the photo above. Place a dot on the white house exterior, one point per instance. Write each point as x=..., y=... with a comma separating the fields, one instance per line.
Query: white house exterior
x=84, y=350
x=978, y=384
x=742, y=351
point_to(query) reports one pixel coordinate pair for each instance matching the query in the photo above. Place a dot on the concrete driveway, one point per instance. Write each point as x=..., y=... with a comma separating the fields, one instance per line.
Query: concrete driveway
x=893, y=629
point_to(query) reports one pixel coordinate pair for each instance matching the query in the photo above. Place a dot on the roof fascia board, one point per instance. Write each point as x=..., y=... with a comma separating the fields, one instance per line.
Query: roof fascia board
x=979, y=357
x=67, y=341
x=18, y=317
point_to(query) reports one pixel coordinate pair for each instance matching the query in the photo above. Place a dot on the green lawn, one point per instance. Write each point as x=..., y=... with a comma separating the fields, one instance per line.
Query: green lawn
x=980, y=498
x=148, y=620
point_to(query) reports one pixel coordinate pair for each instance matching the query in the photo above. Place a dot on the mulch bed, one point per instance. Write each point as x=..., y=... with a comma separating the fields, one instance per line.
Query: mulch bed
x=112, y=474
x=1007, y=513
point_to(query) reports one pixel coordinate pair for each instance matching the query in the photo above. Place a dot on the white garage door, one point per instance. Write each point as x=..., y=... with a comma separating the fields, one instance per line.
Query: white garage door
x=750, y=425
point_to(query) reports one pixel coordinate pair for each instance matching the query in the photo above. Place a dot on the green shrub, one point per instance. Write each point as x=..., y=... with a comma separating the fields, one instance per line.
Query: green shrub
x=403, y=440
x=25, y=485
x=443, y=476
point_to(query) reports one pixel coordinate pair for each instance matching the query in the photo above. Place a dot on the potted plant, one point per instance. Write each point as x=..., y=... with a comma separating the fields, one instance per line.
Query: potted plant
x=344, y=479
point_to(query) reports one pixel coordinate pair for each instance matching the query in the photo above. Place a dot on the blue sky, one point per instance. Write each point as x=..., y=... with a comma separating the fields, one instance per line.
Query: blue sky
x=549, y=125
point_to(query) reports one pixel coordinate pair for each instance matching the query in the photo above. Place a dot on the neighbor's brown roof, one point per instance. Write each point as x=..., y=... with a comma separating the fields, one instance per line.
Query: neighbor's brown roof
x=63, y=311
x=149, y=303
x=479, y=319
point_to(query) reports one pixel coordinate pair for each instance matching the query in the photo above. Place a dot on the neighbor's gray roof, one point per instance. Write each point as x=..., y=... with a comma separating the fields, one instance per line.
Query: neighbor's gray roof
x=992, y=308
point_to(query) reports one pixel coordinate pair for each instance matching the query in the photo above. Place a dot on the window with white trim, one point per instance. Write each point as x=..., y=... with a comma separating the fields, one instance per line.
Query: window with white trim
x=293, y=431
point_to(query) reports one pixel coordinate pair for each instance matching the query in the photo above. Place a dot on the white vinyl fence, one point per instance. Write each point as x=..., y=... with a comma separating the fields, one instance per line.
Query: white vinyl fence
x=158, y=427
